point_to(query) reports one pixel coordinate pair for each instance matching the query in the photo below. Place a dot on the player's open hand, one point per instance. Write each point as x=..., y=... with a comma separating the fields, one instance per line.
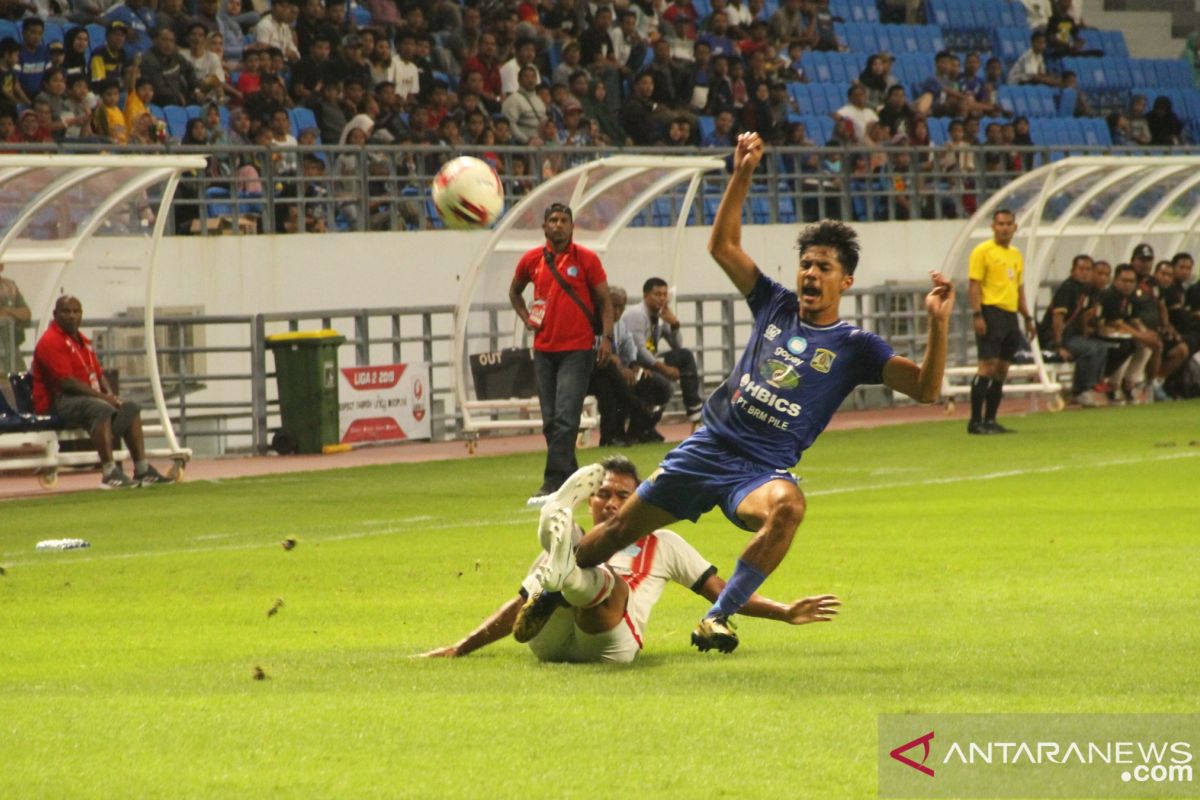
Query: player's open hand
x=449, y=651
x=822, y=608
x=940, y=300
x=748, y=153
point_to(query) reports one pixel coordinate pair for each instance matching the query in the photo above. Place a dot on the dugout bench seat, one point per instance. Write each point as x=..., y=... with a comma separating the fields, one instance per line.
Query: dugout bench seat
x=33, y=442
x=506, y=398
x=1048, y=378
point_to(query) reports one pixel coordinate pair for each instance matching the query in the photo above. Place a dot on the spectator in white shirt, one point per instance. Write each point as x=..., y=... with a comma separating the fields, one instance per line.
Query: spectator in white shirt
x=1031, y=66
x=275, y=30
x=510, y=70
x=858, y=112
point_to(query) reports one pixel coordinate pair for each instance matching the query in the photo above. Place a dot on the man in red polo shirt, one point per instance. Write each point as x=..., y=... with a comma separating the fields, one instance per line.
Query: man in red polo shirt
x=572, y=330
x=68, y=381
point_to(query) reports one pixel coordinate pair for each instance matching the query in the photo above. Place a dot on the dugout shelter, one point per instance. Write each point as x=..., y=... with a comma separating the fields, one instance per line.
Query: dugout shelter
x=50, y=206
x=1100, y=205
x=607, y=196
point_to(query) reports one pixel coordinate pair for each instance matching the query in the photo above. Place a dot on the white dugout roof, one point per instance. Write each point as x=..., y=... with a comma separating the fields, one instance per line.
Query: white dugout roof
x=1102, y=205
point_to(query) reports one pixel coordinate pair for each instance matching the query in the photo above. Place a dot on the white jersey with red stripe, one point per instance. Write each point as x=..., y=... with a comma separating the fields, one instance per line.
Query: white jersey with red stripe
x=649, y=563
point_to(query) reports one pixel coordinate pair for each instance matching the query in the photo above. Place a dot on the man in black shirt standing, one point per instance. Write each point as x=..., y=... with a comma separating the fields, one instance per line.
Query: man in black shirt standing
x=1065, y=329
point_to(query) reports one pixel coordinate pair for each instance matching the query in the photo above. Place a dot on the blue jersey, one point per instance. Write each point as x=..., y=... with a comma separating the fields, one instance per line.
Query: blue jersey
x=790, y=380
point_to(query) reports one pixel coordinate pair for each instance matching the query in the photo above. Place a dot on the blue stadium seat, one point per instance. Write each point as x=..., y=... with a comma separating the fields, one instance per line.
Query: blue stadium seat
x=9, y=30
x=1012, y=100
x=95, y=35
x=302, y=118
x=1066, y=102
x=708, y=125
x=218, y=203
x=156, y=112
x=787, y=210
x=760, y=210
x=662, y=212
x=53, y=32
x=819, y=129
x=193, y=111
x=850, y=66
x=835, y=95
x=177, y=119
x=1009, y=43
x=801, y=93
x=1043, y=101
x=939, y=130
x=816, y=66
x=1141, y=73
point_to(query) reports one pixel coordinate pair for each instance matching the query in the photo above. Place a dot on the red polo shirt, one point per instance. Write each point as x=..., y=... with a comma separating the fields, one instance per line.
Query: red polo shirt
x=57, y=356
x=565, y=326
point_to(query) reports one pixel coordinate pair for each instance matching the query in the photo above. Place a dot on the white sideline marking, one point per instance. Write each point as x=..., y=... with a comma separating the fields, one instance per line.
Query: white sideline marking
x=397, y=526
x=522, y=516
x=991, y=476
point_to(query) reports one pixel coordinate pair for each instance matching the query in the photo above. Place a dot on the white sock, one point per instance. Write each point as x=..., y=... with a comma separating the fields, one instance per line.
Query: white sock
x=588, y=586
x=140, y=467
x=107, y=468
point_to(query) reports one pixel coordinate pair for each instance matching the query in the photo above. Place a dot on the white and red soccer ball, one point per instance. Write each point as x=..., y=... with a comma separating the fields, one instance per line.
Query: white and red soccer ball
x=467, y=194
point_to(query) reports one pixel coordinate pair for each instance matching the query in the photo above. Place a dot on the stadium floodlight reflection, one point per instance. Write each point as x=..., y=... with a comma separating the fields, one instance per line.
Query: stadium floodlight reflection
x=1100, y=205
x=606, y=197
x=51, y=204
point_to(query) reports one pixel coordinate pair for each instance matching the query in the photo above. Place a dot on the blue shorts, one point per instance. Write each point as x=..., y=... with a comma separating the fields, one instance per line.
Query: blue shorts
x=702, y=473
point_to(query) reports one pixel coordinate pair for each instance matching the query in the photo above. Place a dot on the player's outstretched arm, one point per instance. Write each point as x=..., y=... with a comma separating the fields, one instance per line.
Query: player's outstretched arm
x=725, y=243
x=924, y=383
x=821, y=608
x=498, y=625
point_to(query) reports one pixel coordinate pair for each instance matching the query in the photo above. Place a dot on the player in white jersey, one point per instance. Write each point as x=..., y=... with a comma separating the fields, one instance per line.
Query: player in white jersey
x=602, y=612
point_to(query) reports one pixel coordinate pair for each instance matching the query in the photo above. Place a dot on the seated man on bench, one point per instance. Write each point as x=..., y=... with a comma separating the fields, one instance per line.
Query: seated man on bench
x=68, y=382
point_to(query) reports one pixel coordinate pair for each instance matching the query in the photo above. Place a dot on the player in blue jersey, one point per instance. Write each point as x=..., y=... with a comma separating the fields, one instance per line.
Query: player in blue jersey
x=799, y=365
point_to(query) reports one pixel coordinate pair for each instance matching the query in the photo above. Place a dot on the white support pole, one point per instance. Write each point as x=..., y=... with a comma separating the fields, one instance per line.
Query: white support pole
x=160, y=402
x=689, y=197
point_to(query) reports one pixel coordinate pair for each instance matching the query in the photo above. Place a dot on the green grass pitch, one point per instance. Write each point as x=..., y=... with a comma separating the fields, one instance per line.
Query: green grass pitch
x=1050, y=571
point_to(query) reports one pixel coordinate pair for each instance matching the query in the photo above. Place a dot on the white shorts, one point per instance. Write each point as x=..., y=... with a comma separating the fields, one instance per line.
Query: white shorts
x=561, y=640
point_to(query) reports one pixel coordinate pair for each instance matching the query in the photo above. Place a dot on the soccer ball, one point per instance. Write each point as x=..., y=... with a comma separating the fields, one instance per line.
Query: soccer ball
x=467, y=193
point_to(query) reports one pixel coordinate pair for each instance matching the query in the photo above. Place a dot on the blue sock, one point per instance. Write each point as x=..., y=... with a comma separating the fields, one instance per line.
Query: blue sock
x=744, y=582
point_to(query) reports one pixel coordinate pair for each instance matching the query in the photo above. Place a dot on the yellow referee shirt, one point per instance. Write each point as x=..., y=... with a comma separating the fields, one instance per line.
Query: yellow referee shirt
x=999, y=271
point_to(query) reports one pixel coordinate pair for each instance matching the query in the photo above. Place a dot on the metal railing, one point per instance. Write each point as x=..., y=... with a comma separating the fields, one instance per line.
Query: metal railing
x=386, y=188
x=221, y=393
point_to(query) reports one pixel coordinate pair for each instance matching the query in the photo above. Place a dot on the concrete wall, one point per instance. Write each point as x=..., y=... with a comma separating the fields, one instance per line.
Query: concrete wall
x=246, y=275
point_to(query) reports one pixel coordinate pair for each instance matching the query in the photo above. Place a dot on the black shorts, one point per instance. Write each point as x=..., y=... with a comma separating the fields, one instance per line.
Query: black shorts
x=1003, y=338
x=84, y=411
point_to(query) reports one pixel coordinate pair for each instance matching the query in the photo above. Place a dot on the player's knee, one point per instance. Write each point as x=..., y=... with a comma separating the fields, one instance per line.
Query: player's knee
x=787, y=508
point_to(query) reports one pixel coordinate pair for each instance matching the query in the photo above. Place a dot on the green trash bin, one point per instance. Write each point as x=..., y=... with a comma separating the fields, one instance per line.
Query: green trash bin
x=306, y=371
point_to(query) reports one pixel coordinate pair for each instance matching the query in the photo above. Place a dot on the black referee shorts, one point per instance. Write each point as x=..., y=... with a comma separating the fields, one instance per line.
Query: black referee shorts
x=1003, y=338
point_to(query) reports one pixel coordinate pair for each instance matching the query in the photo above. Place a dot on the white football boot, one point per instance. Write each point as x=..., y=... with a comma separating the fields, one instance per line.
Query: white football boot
x=582, y=484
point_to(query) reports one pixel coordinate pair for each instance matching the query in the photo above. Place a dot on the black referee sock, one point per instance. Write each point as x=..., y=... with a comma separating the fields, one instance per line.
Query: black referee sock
x=979, y=392
x=993, y=399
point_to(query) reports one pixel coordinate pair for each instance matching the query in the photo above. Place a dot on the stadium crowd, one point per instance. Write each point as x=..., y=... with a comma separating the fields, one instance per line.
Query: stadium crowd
x=629, y=72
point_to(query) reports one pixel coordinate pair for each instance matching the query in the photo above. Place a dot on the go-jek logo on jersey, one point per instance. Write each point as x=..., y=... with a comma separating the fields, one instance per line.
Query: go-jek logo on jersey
x=763, y=395
x=797, y=345
x=779, y=374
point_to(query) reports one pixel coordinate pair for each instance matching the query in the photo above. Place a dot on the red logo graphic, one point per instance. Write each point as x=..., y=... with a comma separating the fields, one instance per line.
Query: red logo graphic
x=418, y=391
x=924, y=742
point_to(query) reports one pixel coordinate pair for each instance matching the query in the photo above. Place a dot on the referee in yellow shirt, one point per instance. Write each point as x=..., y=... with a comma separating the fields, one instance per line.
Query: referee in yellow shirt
x=997, y=295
